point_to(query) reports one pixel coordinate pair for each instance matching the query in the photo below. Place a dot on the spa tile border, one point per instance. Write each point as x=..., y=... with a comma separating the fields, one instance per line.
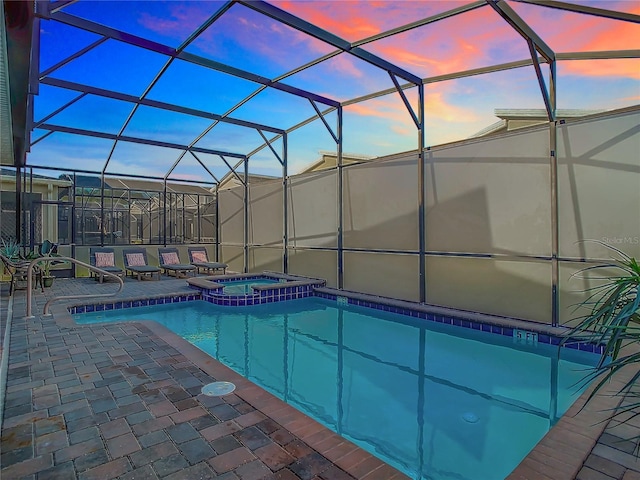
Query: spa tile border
x=131, y=303
x=289, y=287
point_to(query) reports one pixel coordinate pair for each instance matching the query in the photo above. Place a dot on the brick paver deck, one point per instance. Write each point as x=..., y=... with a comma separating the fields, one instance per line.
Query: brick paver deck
x=123, y=401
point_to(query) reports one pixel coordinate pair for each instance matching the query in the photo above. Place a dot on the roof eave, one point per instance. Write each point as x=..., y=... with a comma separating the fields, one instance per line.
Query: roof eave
x=18, y=21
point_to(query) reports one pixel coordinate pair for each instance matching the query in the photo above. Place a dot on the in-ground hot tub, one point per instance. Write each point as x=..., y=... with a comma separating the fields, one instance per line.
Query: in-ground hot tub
x=251, y=289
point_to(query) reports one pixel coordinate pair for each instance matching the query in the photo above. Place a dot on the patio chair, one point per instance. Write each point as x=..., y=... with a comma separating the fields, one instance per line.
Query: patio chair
x=135, y=262
x=104, y=259
x=18, y=270
x=199, y=259
x=170, y=262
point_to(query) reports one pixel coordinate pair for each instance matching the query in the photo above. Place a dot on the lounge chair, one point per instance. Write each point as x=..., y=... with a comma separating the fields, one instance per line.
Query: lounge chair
x=170, y=262
x=104, y=259
x=135, y=261
x=18, y=269
x=199, y=259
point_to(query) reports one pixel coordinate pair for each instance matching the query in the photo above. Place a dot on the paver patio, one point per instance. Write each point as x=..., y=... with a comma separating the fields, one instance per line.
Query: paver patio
x=123, y=401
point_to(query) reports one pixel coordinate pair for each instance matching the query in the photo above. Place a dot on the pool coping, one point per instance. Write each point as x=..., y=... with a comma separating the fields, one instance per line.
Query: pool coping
x=559, y=455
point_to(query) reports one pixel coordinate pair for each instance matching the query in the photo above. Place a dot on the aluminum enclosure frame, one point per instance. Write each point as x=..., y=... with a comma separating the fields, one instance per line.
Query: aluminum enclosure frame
x=540, y=53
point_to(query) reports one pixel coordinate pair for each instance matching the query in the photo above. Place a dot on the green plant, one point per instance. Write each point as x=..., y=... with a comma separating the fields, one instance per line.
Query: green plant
x=613, y=320
x=47, y=250
x=10, y=248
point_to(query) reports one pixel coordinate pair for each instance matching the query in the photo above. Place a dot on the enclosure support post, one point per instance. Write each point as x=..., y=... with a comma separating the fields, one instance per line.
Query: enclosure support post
x=285, y=206
x=112, y=222
x=553, y=178
x=421, y=195
x=164, y=215
x=82, y=214
x=217, y=222
x=73, y=217
x=102, y=209
x=340, y=204
x=246, y=215
x=199, y=221
x=19, y=237
x=129, y=217
x=184, y=221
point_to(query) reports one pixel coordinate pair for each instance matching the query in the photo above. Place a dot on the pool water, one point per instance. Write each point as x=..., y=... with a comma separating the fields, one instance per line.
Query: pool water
x=243, y=287
x=435, y=401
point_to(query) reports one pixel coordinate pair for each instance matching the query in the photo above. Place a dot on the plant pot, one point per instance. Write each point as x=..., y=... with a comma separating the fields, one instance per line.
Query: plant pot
x=47, y=281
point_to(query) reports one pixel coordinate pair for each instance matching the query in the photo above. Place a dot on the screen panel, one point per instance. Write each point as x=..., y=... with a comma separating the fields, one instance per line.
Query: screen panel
x=231, y=210
x=381, y=205
x=387, y=275
x=315, y=263
x=514, y=288
x=575, y=286
x=313, y=210
x=490, y=196
x=266, y=214
x=233, y=256
x=265, y=258
x=599, y=186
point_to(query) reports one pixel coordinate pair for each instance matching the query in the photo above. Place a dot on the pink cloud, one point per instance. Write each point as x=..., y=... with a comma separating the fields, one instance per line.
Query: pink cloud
x=481, y=38
x=437, y=108
x=329, y=17
x=393, y=109
x=574, y=32
x=355, y=20
x=183, y=19
x=344, y=65
x=629, y=68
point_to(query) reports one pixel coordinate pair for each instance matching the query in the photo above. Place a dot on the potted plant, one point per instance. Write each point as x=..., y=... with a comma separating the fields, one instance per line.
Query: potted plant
x=47, y=250
x=613, y=320
x=47, y=278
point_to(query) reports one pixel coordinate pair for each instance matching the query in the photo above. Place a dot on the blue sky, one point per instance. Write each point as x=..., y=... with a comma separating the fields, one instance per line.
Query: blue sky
x=245, y=39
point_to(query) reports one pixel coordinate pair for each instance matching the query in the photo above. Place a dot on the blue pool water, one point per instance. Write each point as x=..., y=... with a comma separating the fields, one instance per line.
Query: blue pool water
x=435, y=401
x=243, y=287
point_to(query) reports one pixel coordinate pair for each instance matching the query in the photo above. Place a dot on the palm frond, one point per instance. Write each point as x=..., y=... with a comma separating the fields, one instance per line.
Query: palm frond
x=612, y=321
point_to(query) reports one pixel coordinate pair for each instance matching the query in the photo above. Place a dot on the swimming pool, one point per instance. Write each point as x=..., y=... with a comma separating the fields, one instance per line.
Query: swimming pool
x=435, y=401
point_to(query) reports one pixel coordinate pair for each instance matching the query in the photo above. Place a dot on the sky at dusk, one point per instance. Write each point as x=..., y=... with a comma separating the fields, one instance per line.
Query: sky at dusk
x=247, y=40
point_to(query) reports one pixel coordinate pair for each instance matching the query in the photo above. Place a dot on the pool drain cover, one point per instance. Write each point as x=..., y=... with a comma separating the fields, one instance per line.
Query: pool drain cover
x=470, y=417
x=218, y=389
